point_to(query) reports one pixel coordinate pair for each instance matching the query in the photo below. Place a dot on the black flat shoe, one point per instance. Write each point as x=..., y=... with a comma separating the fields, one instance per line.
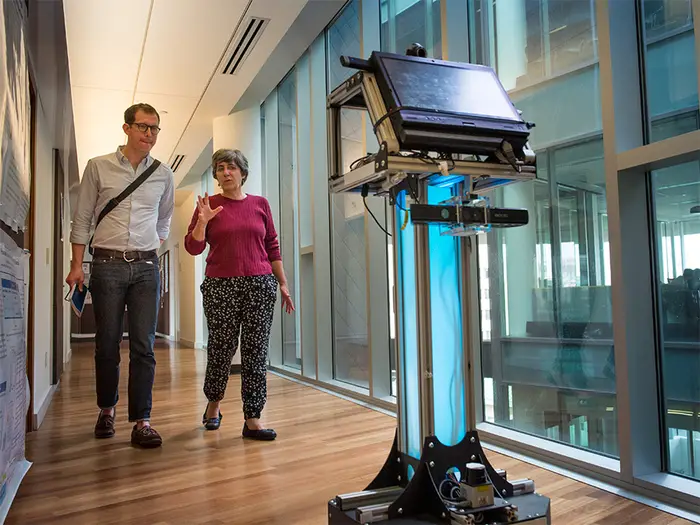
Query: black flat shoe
x=211, y=423
x=266, y=434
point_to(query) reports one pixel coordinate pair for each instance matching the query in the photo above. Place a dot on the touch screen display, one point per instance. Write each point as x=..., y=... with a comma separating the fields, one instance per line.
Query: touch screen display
x=449, y=89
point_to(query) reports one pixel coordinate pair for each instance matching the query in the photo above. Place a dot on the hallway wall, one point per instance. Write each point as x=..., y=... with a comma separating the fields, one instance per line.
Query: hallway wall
x=189, y=271
x=48, y=63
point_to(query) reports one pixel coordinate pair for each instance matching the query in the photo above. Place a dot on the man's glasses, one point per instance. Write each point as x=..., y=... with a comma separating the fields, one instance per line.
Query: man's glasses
x=145, y=127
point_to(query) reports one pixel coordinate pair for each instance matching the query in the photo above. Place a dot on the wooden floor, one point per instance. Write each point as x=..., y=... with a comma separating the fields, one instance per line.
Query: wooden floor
x=325, y=446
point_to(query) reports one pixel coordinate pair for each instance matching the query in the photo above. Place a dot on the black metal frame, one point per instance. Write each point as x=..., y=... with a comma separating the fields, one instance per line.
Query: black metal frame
x=421, y=502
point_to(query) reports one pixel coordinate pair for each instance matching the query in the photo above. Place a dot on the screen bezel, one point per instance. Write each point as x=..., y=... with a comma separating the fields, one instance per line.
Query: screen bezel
x=379, y=58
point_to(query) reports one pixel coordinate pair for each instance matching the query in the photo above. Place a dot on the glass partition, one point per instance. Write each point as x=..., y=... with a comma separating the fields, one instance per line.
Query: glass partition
x=669, y=60
x=547, y=342
x=676, y=193
x=404, y=22
x=289, y=217
x=348, y=243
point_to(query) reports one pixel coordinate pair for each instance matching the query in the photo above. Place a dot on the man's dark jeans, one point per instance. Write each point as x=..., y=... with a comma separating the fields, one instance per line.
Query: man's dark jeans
x=115, y=283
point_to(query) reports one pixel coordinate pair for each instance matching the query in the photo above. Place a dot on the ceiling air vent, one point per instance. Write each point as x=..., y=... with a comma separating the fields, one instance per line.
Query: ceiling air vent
x=176, y=163
x=243, y=44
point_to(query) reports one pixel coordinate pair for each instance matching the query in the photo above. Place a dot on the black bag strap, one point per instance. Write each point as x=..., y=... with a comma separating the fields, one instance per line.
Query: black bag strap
x=113, y=203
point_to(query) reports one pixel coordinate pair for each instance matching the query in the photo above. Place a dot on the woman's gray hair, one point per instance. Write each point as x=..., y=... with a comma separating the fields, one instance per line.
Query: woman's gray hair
x=232, y=156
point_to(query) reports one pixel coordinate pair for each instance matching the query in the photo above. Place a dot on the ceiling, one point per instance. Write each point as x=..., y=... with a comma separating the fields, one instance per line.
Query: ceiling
x=171, y=54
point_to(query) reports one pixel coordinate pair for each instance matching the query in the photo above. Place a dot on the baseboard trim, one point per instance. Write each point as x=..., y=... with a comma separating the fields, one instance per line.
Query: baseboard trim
x=385, y=407
x=186, y=343
x=84, y=337
x=38, y=418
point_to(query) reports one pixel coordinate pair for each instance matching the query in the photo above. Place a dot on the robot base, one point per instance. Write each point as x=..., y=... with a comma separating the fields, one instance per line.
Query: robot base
x=533, y=509
x=419, y=500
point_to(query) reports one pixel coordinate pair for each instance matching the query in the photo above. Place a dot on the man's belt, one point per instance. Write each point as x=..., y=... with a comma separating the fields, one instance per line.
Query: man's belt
x=129, y=256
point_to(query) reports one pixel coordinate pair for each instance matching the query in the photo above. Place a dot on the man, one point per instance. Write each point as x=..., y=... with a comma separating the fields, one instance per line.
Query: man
x=125, y=267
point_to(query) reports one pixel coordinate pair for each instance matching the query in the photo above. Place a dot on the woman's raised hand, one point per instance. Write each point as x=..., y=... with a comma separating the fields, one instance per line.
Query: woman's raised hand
x=205, y=212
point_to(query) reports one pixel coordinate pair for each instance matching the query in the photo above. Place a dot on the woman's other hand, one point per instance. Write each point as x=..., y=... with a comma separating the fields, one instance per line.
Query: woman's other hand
x=205, y=212
x=287, y=302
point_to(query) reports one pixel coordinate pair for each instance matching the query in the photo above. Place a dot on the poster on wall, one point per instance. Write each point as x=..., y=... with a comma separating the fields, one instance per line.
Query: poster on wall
x=14, y=119
x=14, y=262
x=14, y=384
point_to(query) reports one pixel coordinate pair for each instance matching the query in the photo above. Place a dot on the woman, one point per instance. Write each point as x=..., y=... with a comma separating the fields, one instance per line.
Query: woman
x=243, y=270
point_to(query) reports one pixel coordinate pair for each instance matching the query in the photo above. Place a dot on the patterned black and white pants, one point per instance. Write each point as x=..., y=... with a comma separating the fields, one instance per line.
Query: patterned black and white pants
x=239, y=306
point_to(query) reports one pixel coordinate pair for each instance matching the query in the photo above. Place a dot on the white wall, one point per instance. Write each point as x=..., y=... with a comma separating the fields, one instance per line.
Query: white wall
x=42, y=261
x=54, y=129
x=42, y=257
x=241, y=130
x=188, y=273
x=67, y=311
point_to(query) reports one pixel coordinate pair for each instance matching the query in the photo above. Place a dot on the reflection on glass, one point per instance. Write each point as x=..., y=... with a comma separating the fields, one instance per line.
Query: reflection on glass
x=544, y=38
x=549, y=362
x=349, y=266
x=291, y=355
x=671, y=74
x=663, y=18
x=547, y=345
x=404, y=22
x=568, y=35
x=571, y=271
x=677, y=209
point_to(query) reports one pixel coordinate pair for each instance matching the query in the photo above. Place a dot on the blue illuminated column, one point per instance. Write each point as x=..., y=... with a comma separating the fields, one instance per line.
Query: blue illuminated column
x=446, y=330
x=430, y=346
x=407, y=333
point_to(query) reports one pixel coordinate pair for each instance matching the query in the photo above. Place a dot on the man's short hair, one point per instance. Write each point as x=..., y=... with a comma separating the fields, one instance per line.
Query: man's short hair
x=130, y=113
x=233, y=156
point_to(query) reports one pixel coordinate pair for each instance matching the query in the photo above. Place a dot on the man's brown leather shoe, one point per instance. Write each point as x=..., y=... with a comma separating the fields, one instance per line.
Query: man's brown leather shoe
x=104, y=428
x=146, y=437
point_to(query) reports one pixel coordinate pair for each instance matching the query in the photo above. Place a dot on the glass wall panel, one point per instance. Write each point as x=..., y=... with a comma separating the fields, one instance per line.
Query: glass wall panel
x=545, y=39
x=289, y=218
x=677, y=207
x=321, y=291
x=271, y=185
x=404, y=22
x=349, y=265
x=671, y=72
x=547, y=344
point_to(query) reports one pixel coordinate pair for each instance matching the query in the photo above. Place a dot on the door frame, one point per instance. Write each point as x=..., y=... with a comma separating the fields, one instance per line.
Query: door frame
x=57, y=295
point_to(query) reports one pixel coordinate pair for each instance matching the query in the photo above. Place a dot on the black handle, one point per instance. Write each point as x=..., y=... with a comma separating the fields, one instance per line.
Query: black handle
x=355, y=63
